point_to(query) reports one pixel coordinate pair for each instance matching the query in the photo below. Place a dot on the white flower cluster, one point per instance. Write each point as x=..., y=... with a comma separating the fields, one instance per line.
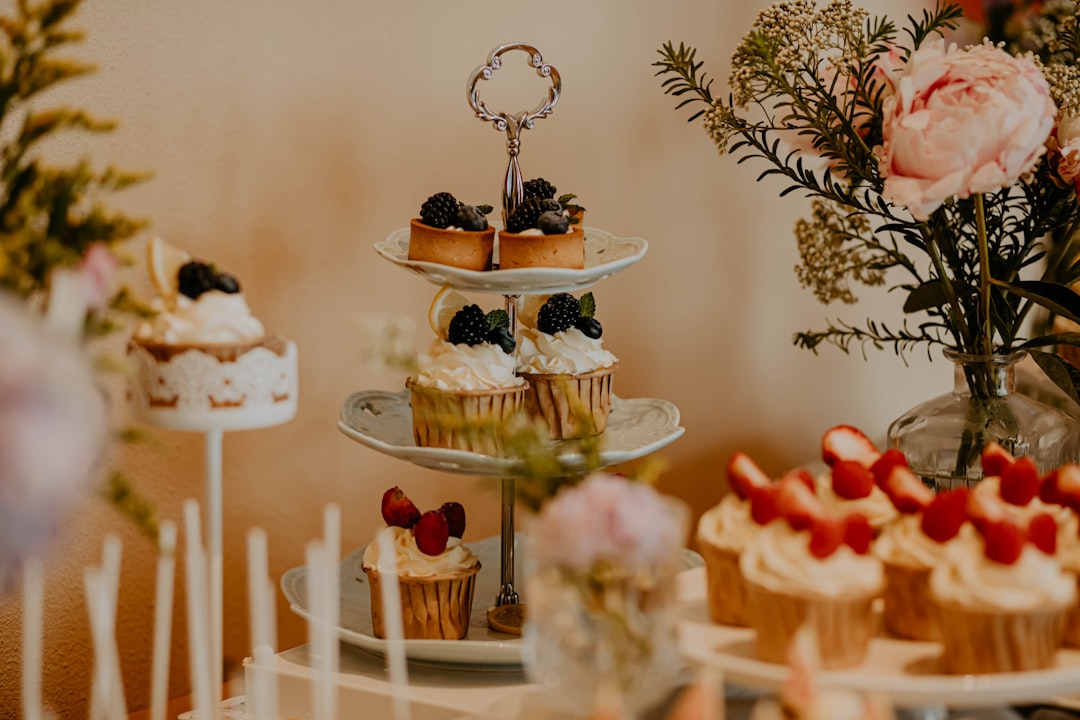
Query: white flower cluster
x=718, y=121
x=830, y=260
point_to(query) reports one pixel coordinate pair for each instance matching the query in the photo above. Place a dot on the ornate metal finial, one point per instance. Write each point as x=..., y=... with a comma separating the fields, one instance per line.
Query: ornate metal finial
x=513, y=124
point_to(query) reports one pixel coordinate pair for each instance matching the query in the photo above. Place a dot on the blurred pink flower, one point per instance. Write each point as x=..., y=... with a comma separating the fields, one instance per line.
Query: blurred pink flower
x=53, y=429
x=96, y=269
x=608, y=517
x=962, y=122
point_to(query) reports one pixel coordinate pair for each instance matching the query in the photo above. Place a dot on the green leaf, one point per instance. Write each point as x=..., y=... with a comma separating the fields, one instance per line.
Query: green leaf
x=484, y=209
x=1072, y=338
x=928, y=295
x=588, y=305
x=498, y=319
x=1056, y=298
x=1060, y=371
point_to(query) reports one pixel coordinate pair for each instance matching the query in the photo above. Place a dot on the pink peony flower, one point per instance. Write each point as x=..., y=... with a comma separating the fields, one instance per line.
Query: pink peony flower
x=962, y=122
x=608, y=517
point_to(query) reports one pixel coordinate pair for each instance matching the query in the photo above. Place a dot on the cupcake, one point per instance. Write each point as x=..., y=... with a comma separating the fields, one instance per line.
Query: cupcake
x=812, y=569
x=1002, y=597
x=568, y=371
x=449, y=232
x=848, y=486
x=543, y=231
x=465, y=391
x=435, y=571
x=203, y=361
x=1023, y=494
x=1061, y=487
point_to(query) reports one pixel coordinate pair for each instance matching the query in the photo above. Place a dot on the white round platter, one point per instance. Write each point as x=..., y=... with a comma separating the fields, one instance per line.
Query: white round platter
x=482, y=648
x=909, y=672
x=382, y=420
x=605, y=255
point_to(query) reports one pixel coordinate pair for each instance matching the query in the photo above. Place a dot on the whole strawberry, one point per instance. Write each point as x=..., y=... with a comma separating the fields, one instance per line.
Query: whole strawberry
x=455, y=518
x=431, y=532
x=398, y=510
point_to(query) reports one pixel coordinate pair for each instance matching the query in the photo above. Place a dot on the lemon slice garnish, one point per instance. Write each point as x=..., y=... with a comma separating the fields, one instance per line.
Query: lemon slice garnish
x=445, y=305
x=164, y=262
x=530, y=306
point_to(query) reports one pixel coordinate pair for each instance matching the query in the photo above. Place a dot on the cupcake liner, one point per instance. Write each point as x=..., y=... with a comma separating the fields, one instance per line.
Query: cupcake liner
x=561, y=251
x=470, y=250
x=571, y=405
x=908, y=610
x=995, y=642
x=844, y=626
x=432, y=608
x=725, y=589
x=471, y=420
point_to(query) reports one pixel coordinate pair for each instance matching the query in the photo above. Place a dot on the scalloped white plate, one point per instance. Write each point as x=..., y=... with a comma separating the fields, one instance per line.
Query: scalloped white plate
x=605, y=255
x=382, y=420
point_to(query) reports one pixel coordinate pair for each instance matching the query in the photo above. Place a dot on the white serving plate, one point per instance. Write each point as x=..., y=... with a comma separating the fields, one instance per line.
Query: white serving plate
x=382, y=420
x=907, y=671
x=605, y=255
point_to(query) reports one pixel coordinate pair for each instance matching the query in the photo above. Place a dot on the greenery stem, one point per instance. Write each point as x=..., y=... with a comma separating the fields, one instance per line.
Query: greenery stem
x=955, y=313
x=987, y=348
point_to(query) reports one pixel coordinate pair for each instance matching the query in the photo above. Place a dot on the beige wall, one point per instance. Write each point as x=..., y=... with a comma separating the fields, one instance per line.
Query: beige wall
x=287, y=137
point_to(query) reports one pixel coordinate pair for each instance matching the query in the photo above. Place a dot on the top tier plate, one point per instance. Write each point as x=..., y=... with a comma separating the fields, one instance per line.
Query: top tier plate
x=605, y=255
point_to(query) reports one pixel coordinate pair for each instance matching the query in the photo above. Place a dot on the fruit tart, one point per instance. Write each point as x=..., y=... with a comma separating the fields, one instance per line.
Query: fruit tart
x=435, y=571
x=452, y=233
x=203, y=361
x=569, y=372
x=543, y=231
x=465, y=392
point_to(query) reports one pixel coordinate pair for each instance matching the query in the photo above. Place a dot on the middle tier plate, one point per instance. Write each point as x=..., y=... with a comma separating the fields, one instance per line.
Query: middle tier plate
x=382, y=420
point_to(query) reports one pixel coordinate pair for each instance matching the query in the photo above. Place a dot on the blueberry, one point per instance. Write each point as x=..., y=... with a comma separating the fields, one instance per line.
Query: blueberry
x=501, y=336
x=226, y=283
x=553, y=223
x=195, y=278
x=469, y=218
x=591, y=327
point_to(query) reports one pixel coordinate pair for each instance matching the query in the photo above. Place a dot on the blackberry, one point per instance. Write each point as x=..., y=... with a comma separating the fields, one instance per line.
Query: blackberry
x=538, y=188
x=195, y=278
x=553, y=223
x=590, y=327
x=501, y=336
x=468, y=326
x=226, y=283
x=560, y=312
x=525, y=215
x=469, y=218
x=439, y=210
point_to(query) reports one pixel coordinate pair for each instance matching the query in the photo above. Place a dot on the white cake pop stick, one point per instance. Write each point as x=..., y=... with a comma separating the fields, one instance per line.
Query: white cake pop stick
x=99, y=596
x=259, y=611
x=393, y=626
x=214, y=440
x=320, y=634
x=332, y=541
x=163, y=607
x=33, y=616
x=199, y=641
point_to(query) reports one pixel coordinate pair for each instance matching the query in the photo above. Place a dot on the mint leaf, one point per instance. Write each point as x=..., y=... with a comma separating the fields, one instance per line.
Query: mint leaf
x=588, y=305
x=498, y=319
x=484, y=209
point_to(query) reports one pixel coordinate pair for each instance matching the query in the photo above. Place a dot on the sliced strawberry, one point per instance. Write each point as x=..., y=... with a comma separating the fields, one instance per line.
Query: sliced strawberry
x=398, y=510
x=743, y=474
x=1020, y=482
x=1048, y=488
x=763, y=508
x=1042, y=531
x=883, y=465
x=432, y=532
x=455, y=518
x=797, y=503
x=1004, y=541
x=826, y=536
x=907, y=492
x=945, y=515
x=1062, y=486
x=802, y=475
x=995, y=459
x=844, y=442
x=984, y=507
x=850, y=480
x=857, y=533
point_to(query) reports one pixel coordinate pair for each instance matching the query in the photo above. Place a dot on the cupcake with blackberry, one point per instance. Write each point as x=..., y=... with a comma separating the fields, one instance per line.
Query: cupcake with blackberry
x=465, y=390
x=204, y=362
x=568, y=370
x=452, y=233
x=543, y=231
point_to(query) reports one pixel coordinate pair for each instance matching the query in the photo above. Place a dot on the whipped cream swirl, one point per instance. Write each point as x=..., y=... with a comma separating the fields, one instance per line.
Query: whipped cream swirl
x=447, y=366
x=991, y=487
x=215, y=318
x=779, y=560
x=968, y=578
x=729, y=525
x=413, y=562
x=569, y=351
x=876, y=507
x=904, y=543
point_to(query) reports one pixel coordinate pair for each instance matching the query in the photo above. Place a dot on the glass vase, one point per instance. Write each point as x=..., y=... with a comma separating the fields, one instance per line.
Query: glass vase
x=608, y=632
x=943, y=438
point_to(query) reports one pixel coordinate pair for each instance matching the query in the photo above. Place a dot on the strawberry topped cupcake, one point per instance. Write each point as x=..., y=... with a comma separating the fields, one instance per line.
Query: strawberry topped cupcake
x=450, y=232
x=849, y=485
x=1016, y=482
x=1002, y=596
x=436, y=572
